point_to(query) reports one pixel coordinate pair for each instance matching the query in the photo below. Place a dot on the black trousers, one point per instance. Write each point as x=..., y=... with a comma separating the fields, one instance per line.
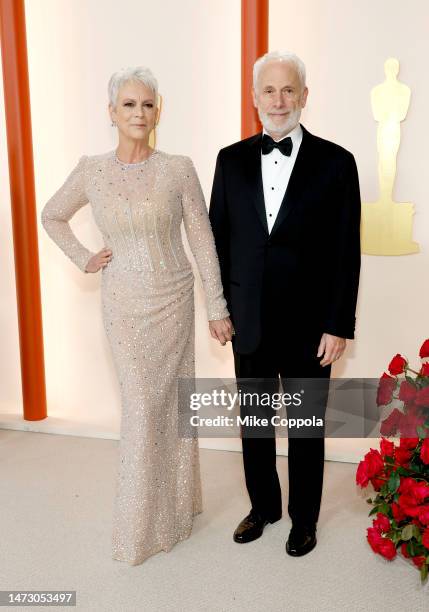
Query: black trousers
x=287, y=356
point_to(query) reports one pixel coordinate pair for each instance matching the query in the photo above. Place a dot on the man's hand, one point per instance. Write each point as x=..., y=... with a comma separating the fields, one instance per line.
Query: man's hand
x=331, y=347
x=221, y=330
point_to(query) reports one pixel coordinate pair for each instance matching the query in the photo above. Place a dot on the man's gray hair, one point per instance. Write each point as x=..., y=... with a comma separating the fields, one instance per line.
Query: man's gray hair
x=140, y=73
x=282, y=56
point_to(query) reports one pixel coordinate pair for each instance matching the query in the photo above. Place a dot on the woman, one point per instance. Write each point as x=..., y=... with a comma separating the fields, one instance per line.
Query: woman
x=139, y=197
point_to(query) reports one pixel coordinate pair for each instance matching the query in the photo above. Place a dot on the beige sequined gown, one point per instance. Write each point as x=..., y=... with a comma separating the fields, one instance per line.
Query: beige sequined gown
x=148, y=314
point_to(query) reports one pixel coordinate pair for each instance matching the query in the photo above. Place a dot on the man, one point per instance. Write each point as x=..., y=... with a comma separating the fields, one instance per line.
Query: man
x=285, y=212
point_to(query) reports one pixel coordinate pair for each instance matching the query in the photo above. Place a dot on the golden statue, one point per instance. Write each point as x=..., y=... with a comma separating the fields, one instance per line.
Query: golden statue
x=387, y=226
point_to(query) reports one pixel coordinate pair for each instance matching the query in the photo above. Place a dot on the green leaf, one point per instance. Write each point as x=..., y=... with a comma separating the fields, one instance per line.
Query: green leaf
x=407, y=532
x=369, y=500
x=388, y=459
x=402, y=471
x=410, y=380
x=415, y=467
x=424, y=572
x=374, y=510
x=384, y=509
x=393, y=482
x=422, y=431
x=384, y=490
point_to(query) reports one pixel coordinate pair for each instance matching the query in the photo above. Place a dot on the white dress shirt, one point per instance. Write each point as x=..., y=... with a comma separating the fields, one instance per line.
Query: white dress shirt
x=276, y=171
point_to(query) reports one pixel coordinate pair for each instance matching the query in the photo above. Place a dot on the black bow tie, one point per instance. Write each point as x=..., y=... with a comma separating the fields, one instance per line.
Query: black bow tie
x=284, y=146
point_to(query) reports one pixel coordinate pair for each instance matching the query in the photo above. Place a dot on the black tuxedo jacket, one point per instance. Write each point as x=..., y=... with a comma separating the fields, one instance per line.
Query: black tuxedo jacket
x=306, y=270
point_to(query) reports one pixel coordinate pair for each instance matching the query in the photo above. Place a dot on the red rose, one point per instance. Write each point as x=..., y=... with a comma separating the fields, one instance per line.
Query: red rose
x=420, y=490
x=404, y=550
x=411, y=500
x=377, y=483
x=424, y=514
x=407, y=391
x=387, y=548
x=374, y=462
x=381, y=523
x=387, y=448
x=412, y=495
x=374, y=538
x=362, y=477
x=424, y=370
x=410, y=421
x=408, y=443
x=390, y=425
x=413, y=411
x=370, y=468
x=409, y=505
x=424, y=349
x=422, y=397
x=398, y=514
x=424, y=452
x=403, y=456
x=397, y=365
x=406, y=484
x=425, y=538
x=386, y=387
x=419, y=561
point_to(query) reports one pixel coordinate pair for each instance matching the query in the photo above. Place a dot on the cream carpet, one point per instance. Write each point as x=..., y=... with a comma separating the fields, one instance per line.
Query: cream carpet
x=56, y=504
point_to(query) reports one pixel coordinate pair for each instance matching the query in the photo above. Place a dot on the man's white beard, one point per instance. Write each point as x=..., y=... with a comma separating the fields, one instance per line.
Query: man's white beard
x=284, y=128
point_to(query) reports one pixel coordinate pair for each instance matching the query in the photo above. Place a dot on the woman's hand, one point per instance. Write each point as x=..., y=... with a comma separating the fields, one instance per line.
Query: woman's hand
x=99, y=260
x=221, y=330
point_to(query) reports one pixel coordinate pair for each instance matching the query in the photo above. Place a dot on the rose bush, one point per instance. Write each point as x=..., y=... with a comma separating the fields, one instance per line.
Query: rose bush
x=399, y=472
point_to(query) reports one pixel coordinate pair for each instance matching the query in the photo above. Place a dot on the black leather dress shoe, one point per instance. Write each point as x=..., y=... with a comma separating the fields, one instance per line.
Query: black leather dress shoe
x=251, y=528
x=301, y=540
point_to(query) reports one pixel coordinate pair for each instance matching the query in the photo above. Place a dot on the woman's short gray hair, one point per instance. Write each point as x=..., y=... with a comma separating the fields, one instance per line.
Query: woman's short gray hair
x=282, y=56
x=140, y=73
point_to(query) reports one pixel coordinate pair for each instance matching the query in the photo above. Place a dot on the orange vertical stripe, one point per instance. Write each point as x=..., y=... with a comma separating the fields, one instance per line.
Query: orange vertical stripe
x=24, y=218
x=254, y=43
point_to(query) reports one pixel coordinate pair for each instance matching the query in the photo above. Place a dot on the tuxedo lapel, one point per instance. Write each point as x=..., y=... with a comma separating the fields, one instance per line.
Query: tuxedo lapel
x=298, y=178
x=254, y=178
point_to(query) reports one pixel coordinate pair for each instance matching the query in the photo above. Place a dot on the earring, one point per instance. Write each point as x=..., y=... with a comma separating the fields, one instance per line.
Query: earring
x=113, y=123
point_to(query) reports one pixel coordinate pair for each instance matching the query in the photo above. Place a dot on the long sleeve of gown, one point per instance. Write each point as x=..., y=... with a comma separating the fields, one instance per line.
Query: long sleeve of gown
x=60, y=209
x=201, y=242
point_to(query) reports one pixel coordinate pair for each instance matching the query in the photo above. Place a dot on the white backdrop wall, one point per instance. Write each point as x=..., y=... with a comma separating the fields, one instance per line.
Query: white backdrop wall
x=193, y=47
x=344, y=45
x=10, y=375
x=73, y=47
